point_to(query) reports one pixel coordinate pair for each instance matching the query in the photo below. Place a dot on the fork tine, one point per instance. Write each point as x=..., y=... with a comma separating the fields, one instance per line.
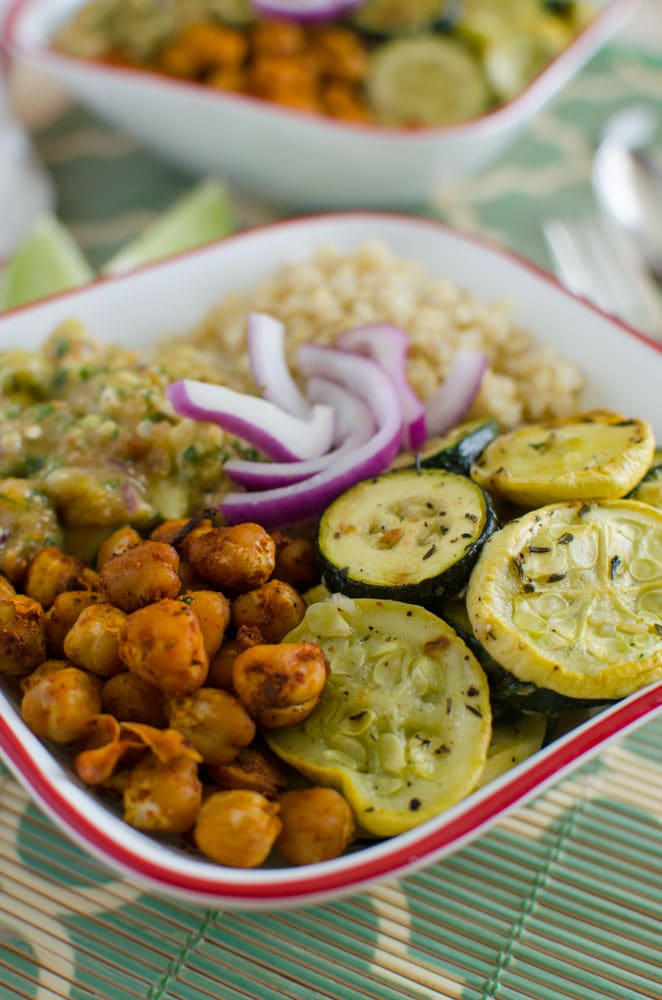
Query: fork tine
x=570, y=260
x=595, y=259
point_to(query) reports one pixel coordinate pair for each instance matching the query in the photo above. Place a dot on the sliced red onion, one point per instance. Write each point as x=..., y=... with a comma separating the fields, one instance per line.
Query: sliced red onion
x=387, y=345
x=266, y=354
x=305, y=10
x=285, y=505
x=354, y=421
x=354, y=426
x=301, y=501
x=278, y=434
x=454, y=397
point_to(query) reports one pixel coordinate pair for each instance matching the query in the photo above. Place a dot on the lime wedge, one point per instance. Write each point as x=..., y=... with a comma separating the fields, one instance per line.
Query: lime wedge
x=198, y=217
x=48, y=261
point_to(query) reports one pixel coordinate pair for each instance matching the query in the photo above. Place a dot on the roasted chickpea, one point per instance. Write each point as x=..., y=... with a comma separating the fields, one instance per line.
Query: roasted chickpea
x=215, y=722
x=247, y=636
x=215, y=44
x=341, y=53
x=280, y=684
x=131, y=699
x=188, y=577
x=176, y=59
x=167, y=531
x=93, y=642
x=237, y=558
x=275, y=608
x=141, y=575
x=119, y=541
x=295, y=561
x=252, y=769
x=58, y=706
x=51, y=572
x=47, y=667
x=237, y=828
x=22, y=635
x=180, y=532
x=278, y=38
x=317, y=824
x=220, y=666
x=163, y=645
x=213, y=613
x=63, y=613
x=163, y=796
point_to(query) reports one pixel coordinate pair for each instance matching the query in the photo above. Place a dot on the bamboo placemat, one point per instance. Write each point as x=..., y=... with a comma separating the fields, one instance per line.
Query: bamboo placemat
x=562, y=900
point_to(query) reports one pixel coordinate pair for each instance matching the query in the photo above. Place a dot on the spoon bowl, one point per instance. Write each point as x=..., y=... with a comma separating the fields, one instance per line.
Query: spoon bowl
x=627, y=180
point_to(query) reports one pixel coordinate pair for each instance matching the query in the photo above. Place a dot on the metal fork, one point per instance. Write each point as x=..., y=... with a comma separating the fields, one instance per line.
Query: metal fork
x=597, y=260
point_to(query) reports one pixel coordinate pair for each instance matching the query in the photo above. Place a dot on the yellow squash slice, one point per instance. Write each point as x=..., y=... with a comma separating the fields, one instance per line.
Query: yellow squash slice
x=512, y=743
x=569, y=597
x=593, y=456
x=404, y=722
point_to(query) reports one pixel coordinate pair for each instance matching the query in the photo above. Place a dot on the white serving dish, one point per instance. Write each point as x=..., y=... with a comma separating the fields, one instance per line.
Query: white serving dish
x=624, y=369
x=288, y=158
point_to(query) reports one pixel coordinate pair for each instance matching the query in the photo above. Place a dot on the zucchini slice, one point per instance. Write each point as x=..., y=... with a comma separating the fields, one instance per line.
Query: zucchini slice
x=403, y=725
x=649, y=489
x=511, y=744
x=398, y=17
x=569, y=597
x=593, y=456
x=426, y=80
x=511, y=697
x=456, y=451
x=410, y=535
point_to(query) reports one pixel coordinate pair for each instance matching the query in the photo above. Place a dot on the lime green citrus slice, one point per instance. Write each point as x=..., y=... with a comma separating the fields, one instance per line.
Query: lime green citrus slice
x=48, y=261
x=200, y=216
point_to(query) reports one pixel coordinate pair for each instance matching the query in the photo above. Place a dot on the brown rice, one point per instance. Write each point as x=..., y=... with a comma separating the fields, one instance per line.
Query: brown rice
x=333, y=292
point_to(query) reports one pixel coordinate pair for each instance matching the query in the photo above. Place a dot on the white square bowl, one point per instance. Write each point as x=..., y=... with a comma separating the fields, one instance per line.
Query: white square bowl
x=624, y=371
x=289, y=158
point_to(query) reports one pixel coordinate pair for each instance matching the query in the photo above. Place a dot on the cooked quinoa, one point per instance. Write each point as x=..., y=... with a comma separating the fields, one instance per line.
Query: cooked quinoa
x=335, y=291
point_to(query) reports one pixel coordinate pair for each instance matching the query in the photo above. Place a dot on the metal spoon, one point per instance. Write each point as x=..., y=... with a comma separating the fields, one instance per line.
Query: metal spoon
x=627, y=180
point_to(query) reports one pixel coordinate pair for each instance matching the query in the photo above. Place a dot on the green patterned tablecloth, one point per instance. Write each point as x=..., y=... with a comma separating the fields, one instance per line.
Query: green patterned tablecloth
x=562, y=900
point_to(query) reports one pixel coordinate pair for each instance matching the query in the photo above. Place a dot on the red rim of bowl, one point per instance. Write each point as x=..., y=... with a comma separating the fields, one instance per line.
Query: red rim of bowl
x=404, y=853
x=597, y=31
x=298, y=885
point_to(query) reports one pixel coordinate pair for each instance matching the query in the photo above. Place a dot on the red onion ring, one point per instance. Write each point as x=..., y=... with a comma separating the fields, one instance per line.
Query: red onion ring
x=354, y=426
x=266, y=354
x=309, y=11
x=387, y=345
x=302, y=501
x=453, y=399
x=287, y=439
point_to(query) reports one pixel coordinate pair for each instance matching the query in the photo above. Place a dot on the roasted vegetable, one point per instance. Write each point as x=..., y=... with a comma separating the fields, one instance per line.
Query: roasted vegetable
x=404, y=722
x=512, y=743
x=649, y=489
x=399, y=17
x=409, y=535
x=594, y=456
x=569, y=597
x=456, y=451
x=511, y=697
x=426, y=80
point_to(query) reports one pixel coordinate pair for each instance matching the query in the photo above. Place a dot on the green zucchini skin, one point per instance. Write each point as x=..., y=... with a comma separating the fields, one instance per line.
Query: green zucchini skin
x=649, y=489
x=456, y=451
x=511, y=697
x=427, y=579
x=379, y=20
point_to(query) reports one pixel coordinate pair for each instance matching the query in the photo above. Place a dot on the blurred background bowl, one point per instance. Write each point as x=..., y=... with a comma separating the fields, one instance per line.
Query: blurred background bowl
x=292, y=159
